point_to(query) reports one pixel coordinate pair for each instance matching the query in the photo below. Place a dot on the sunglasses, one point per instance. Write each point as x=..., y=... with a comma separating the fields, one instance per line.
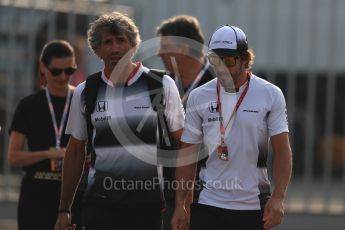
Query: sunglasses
x=216, y=60
x=58, y=71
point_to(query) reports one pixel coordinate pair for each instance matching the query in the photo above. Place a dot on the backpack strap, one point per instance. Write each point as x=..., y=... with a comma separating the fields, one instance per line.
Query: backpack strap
x=155, y=84
x=90, y=91
x=156, y=91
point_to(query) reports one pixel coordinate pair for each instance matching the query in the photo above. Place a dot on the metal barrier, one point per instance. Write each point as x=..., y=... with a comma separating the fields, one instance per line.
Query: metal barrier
x=316, y=113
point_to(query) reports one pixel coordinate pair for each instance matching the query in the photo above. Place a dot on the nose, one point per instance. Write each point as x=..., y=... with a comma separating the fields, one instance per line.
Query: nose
x=64, y=76
x=115, y=48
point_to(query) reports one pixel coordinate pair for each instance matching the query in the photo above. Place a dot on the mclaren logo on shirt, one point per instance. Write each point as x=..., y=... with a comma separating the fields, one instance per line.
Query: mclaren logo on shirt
x=102, y=106
x=212, y=107
x=251, y=111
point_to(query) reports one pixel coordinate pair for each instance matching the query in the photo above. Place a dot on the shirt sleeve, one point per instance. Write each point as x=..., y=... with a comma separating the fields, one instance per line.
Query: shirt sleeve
x=173, y=106
x=20, y=122
x=76, y=124
x=192, y=132
x=277, y=118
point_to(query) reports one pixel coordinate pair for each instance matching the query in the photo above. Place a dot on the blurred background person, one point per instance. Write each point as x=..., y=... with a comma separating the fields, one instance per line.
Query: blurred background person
x=181, y=50
x=39, y=121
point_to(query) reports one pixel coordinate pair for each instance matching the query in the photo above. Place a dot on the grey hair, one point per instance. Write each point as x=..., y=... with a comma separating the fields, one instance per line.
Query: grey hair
x=116, y=23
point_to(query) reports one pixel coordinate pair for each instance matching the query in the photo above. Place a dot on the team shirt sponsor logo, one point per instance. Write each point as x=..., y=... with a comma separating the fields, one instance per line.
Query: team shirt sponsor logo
x=103, y=118
x=213, y=119
x=213, y=107
x=102, y=106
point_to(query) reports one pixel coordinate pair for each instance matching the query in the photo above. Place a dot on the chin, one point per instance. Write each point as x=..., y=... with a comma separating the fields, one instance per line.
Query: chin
x=113, y=64
x=63, y=86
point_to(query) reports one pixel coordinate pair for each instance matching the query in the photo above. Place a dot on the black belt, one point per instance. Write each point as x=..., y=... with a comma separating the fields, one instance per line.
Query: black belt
x=45, y=175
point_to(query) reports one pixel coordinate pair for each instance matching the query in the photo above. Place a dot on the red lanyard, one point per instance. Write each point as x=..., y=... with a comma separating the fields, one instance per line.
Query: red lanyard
x=219, y=108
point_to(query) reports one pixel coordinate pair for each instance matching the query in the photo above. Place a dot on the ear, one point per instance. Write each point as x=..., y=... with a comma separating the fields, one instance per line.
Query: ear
x=41, y=65
x=43, y=68
x=244, y=62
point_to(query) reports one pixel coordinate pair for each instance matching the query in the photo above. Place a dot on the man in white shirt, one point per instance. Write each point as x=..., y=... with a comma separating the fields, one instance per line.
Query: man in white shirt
x=235, y=116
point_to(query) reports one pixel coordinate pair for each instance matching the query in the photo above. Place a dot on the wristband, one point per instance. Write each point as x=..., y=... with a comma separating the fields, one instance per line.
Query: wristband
x=64, y=211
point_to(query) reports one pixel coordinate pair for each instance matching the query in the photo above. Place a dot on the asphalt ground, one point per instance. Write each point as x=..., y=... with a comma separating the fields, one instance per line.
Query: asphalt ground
x=291, y=221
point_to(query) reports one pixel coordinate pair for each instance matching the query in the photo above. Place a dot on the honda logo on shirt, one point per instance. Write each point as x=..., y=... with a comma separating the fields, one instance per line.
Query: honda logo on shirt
x=102, y=106
x=212, y=107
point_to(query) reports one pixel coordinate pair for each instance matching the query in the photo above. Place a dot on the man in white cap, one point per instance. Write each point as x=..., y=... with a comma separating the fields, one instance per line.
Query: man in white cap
x=235, y=116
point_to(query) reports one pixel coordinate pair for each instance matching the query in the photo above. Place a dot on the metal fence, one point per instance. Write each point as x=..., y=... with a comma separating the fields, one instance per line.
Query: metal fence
x=316, y=112
x=315, y=98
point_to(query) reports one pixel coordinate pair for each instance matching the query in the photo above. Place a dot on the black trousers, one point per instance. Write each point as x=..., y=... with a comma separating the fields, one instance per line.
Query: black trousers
x=204, y=217
x=167, y=215
x=39, y=202
x=105, y=217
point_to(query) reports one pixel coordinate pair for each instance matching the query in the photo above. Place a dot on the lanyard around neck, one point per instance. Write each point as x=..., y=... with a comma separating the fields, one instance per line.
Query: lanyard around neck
x=184, y=95
x=58, y=130
x=219, y=108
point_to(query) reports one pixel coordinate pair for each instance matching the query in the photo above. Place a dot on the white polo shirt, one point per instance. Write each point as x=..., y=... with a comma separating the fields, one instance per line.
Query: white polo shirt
x=238, y=183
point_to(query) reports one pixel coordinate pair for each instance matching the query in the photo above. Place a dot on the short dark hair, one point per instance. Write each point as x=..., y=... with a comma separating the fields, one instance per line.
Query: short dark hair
x=56, y=49
x=183, y=26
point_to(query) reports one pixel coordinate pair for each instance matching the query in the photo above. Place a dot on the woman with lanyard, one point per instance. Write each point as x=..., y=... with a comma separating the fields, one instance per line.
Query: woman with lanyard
x=40, y=121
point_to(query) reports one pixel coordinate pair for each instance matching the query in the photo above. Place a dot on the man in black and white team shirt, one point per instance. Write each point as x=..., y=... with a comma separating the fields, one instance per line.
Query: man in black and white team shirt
x=235, y=116
x=123, y=190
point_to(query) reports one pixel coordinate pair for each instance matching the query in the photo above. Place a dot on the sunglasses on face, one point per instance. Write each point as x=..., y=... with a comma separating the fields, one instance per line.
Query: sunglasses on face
x=58, y=71
x=216, y=60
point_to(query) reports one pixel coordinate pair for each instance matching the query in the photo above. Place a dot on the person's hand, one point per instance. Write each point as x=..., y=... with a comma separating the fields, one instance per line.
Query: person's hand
x=55, y=153
x=64, y=222
x=273, y=213
x=180, y=221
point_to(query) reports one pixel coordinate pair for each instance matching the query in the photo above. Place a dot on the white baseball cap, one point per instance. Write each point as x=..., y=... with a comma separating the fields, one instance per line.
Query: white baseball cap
x=228, y=41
